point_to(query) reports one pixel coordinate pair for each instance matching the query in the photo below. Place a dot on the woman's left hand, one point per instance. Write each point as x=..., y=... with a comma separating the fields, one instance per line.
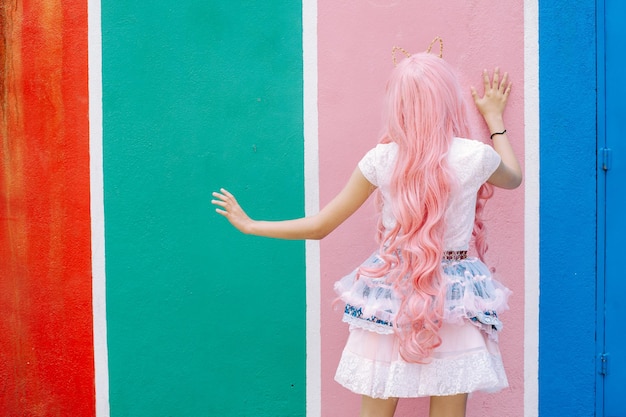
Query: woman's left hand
x=493, y=102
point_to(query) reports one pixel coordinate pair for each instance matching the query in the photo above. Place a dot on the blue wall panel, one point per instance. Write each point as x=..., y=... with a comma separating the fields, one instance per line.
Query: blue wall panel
x=567, y=71
x=612, y=307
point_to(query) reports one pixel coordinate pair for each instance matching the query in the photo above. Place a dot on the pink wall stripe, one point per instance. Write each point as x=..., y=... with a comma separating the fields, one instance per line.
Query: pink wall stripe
x=354, y=60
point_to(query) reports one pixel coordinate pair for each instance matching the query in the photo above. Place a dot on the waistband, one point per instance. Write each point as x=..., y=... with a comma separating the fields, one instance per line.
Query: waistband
x=454, y=255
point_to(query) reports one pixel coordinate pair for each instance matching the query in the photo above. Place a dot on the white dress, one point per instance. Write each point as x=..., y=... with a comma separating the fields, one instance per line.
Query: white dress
x=468, y=358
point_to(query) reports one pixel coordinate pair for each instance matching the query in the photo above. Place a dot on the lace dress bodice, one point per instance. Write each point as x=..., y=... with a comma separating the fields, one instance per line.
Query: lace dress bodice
x=473, y=163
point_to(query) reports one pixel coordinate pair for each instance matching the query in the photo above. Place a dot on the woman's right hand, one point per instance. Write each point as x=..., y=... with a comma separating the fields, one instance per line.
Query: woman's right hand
x=229, y=207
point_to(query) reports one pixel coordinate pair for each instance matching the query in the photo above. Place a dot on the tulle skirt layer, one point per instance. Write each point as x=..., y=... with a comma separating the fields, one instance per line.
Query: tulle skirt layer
x=468, y=358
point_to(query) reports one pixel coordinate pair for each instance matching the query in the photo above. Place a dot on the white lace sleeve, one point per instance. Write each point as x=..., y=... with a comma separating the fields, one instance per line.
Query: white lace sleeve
x=491, y=161
x=481, y=161
x=367, y=165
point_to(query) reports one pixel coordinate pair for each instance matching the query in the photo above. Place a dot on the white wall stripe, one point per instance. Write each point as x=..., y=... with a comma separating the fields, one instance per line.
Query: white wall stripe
x=97, y=211
x=311, y=206
x=531, y=208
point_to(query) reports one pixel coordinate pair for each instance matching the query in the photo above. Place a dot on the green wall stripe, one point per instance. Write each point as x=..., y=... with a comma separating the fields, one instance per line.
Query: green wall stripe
x=197, y=95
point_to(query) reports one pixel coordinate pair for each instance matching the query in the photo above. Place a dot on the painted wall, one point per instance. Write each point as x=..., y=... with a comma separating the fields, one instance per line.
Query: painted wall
x=46, y=350
x=355, y=41
x=201, y=319
x=567, y=68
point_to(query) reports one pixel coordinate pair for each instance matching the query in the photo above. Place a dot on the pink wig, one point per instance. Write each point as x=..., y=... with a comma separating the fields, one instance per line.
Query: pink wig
x=424, y=111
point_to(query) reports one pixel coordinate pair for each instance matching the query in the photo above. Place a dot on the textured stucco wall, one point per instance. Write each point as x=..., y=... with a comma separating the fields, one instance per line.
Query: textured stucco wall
x=46, y=355
x=567, y=367
x=355, y=41
x=202, y=320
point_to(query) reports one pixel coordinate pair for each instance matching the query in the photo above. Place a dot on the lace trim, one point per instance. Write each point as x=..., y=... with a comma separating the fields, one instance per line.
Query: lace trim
x=486, y=321
x=357, y=312
x=477, y=371
x=367, y=325
x=472, y=294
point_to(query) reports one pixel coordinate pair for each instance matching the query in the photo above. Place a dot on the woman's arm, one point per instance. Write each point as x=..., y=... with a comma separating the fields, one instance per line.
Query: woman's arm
x=491, y=106
x=317, y=226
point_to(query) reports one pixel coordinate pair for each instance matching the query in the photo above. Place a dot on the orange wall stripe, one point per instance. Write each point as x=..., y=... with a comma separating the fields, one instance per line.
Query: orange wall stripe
x=45, y=259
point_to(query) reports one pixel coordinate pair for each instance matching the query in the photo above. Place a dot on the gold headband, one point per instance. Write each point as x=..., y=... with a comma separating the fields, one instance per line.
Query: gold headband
x=437, y=38
x=397, y=48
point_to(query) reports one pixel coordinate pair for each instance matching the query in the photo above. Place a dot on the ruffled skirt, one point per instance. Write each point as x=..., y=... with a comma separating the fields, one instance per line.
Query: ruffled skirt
x=468, y=358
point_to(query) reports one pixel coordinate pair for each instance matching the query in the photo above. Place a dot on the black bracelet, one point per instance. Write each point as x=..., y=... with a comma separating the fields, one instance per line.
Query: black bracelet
x=498, y=133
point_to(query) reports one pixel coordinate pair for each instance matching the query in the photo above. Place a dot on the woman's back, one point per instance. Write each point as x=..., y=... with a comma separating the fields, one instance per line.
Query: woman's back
x=471, y=162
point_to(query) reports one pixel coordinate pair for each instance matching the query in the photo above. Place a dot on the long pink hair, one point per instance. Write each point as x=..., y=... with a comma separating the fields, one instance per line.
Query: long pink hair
x=424, y=111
